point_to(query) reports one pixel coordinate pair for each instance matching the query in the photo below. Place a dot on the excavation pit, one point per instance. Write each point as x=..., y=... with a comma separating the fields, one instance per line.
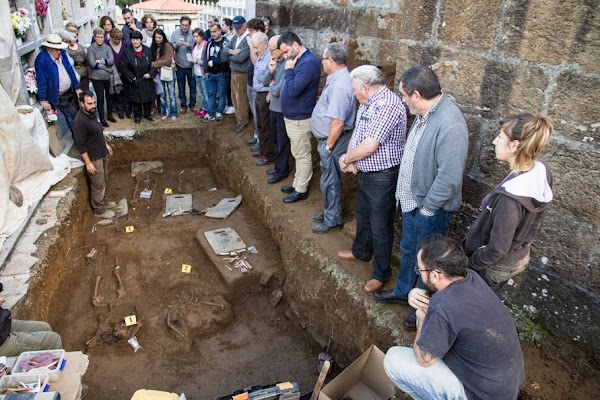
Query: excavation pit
x=201, y=333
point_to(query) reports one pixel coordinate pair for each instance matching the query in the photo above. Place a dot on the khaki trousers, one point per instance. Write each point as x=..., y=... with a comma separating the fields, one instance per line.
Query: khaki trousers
x=98, y=186
x=239, y=96
x=300, y=135
x=29, y=336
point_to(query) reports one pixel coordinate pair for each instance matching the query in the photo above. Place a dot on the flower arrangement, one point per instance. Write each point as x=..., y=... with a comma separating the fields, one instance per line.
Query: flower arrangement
x=99, y=5
x=31, y=82
x=51, y=116
x=20, y=22
x=41, y=7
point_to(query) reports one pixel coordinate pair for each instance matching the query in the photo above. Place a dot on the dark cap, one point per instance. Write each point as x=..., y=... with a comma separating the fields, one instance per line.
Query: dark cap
x=238, y=21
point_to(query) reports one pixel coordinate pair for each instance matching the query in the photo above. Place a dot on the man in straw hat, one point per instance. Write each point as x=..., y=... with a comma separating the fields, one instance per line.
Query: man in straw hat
x=57, y=83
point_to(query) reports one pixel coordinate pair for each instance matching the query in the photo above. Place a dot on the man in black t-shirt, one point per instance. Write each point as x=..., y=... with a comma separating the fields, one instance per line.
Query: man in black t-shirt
x=89, y=139
x=466, y=345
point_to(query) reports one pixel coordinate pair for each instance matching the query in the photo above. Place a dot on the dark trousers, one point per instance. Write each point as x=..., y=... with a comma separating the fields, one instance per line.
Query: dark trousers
x=125, y=103
x=281, y=144
x=68, y=106
x=102, y=89
x=263, y=122
x=331, y=178
x=415, y=227
x=184, y=74
x=137, y=109
x=375, y=209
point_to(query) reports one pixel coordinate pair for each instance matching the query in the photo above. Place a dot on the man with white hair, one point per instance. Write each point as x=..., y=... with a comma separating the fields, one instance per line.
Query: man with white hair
x=260, y=47
x=374, y=153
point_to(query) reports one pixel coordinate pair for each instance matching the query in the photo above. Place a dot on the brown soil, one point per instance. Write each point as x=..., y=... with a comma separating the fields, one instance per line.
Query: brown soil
x=248, y=342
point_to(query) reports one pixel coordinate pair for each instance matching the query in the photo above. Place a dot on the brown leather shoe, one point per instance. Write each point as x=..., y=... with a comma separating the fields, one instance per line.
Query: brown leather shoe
x=372, y=285
x=346, y=255
x=183, y=110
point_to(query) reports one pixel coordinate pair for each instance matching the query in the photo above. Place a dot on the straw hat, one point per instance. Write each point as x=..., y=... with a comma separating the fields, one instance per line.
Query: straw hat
x=55, y=42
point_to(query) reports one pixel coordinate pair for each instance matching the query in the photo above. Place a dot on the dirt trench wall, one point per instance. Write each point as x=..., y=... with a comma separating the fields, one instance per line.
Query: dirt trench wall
x=497, y=58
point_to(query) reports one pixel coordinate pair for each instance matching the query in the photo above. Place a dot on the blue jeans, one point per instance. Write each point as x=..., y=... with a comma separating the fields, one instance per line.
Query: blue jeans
x=217, y=87
x=436, y=382
x=415, y=227
x=201, y=84
x=375, y=209
x=184, y=74
x=168, y=90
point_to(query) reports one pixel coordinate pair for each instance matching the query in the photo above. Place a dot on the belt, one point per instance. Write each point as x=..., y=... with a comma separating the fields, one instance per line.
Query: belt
x=320, y=139
x=394, y=168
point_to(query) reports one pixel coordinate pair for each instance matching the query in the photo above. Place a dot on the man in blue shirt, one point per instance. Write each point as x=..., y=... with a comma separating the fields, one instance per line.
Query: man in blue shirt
x=331, y=123
x=298, y=99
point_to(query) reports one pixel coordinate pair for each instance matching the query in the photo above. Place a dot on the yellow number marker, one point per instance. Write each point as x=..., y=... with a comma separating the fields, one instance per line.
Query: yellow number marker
x=168, y=191
x=129, y=229
x=130, y=320
x=186, y=268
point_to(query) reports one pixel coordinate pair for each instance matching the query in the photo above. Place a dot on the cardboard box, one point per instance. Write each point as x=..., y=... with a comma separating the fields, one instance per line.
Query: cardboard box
x=364, y=379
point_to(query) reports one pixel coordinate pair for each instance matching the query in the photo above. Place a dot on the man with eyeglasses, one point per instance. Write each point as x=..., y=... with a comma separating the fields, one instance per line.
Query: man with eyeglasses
x=466, y=346
x=211, y=21
x=183, y=42
x=331, y=123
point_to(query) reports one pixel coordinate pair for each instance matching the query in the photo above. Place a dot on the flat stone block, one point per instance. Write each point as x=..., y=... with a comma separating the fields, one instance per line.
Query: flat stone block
x=317, y=17
x=574, y=107
x=469, y=24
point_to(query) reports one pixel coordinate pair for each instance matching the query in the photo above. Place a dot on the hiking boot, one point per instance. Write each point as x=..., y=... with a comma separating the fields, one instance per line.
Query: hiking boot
x=107, y=214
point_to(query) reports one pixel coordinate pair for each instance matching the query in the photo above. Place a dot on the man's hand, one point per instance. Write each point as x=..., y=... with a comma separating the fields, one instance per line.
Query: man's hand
x=110, y=151
x=147, y=76
x=234, y=52
x=269, y=97
x=291, y=63
x=418, y=299
x=2, y=301
x=272, y=65
x=90, y=168
x=78, y=92
x=186, y=44
x=46, y=105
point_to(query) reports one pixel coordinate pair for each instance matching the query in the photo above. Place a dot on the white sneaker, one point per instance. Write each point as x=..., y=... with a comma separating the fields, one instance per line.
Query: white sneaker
x=173, y=118
x=105, y=215
x=219, y=116
x=163, y=117
x=229, y=110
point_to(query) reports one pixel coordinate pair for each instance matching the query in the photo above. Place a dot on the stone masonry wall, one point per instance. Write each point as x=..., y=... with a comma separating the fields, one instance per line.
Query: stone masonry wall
x=495, y=58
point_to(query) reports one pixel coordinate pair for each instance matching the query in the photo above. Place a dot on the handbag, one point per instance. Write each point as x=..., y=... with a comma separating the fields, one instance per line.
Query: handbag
x=166, y=73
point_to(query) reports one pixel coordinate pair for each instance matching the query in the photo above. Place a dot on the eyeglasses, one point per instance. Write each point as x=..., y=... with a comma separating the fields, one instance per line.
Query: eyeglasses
x=417, y=270
x=325, y=58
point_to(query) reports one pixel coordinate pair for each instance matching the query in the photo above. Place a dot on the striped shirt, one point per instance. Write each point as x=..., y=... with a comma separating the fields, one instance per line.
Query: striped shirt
x=382, y=118
x=403, y=192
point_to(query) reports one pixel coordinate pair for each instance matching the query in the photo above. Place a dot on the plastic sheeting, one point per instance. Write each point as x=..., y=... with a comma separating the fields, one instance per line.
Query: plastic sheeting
x=25, y=163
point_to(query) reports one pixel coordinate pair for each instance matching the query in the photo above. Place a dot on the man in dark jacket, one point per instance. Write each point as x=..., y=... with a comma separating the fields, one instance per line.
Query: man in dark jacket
x=215, y=74
x=131, y=25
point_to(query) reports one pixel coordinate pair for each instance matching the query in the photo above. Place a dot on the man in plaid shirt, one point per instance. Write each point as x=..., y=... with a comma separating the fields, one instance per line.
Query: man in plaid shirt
x=374, y=153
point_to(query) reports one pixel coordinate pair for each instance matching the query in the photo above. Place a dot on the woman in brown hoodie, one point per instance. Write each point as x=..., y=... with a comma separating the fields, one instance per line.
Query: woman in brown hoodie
x=499, y=241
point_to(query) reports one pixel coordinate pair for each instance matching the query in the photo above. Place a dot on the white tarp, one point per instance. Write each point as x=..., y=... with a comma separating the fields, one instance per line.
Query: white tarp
x=25, y=163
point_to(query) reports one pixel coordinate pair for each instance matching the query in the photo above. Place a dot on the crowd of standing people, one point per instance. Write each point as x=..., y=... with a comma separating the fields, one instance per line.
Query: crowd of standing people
x=242, y=67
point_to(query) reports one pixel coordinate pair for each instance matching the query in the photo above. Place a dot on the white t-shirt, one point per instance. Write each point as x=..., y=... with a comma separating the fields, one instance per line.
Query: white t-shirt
x=198, y=56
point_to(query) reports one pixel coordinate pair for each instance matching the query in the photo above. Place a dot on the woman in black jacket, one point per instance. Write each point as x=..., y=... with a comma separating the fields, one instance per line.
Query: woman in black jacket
x=499, y=241
x=135, y=66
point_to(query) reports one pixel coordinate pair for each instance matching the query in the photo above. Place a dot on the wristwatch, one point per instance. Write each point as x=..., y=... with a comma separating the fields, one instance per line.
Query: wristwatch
x=343, y=158
x=327, y=147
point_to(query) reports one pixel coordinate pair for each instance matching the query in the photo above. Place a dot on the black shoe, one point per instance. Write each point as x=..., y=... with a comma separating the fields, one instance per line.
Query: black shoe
x=252, y=142
x=255, y=147
x=136, y=120
x=388, y=297
x=322, y=228
x=111, y=119
x=287, y=189
x=276, y=178
x=121, y=116
x=104, y=123
x=319, y=218
x=270, y=171
x=129, y=116
x=295, y=196
x=410, y=322
x=150, y=118
x=239, y=128
x=263, y=161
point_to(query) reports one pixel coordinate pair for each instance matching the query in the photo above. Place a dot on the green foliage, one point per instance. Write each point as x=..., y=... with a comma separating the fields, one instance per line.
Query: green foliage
x=528, y=330
x=124, y=3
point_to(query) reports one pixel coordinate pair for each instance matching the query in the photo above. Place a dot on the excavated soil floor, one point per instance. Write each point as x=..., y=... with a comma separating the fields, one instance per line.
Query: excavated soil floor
x=206, y=350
